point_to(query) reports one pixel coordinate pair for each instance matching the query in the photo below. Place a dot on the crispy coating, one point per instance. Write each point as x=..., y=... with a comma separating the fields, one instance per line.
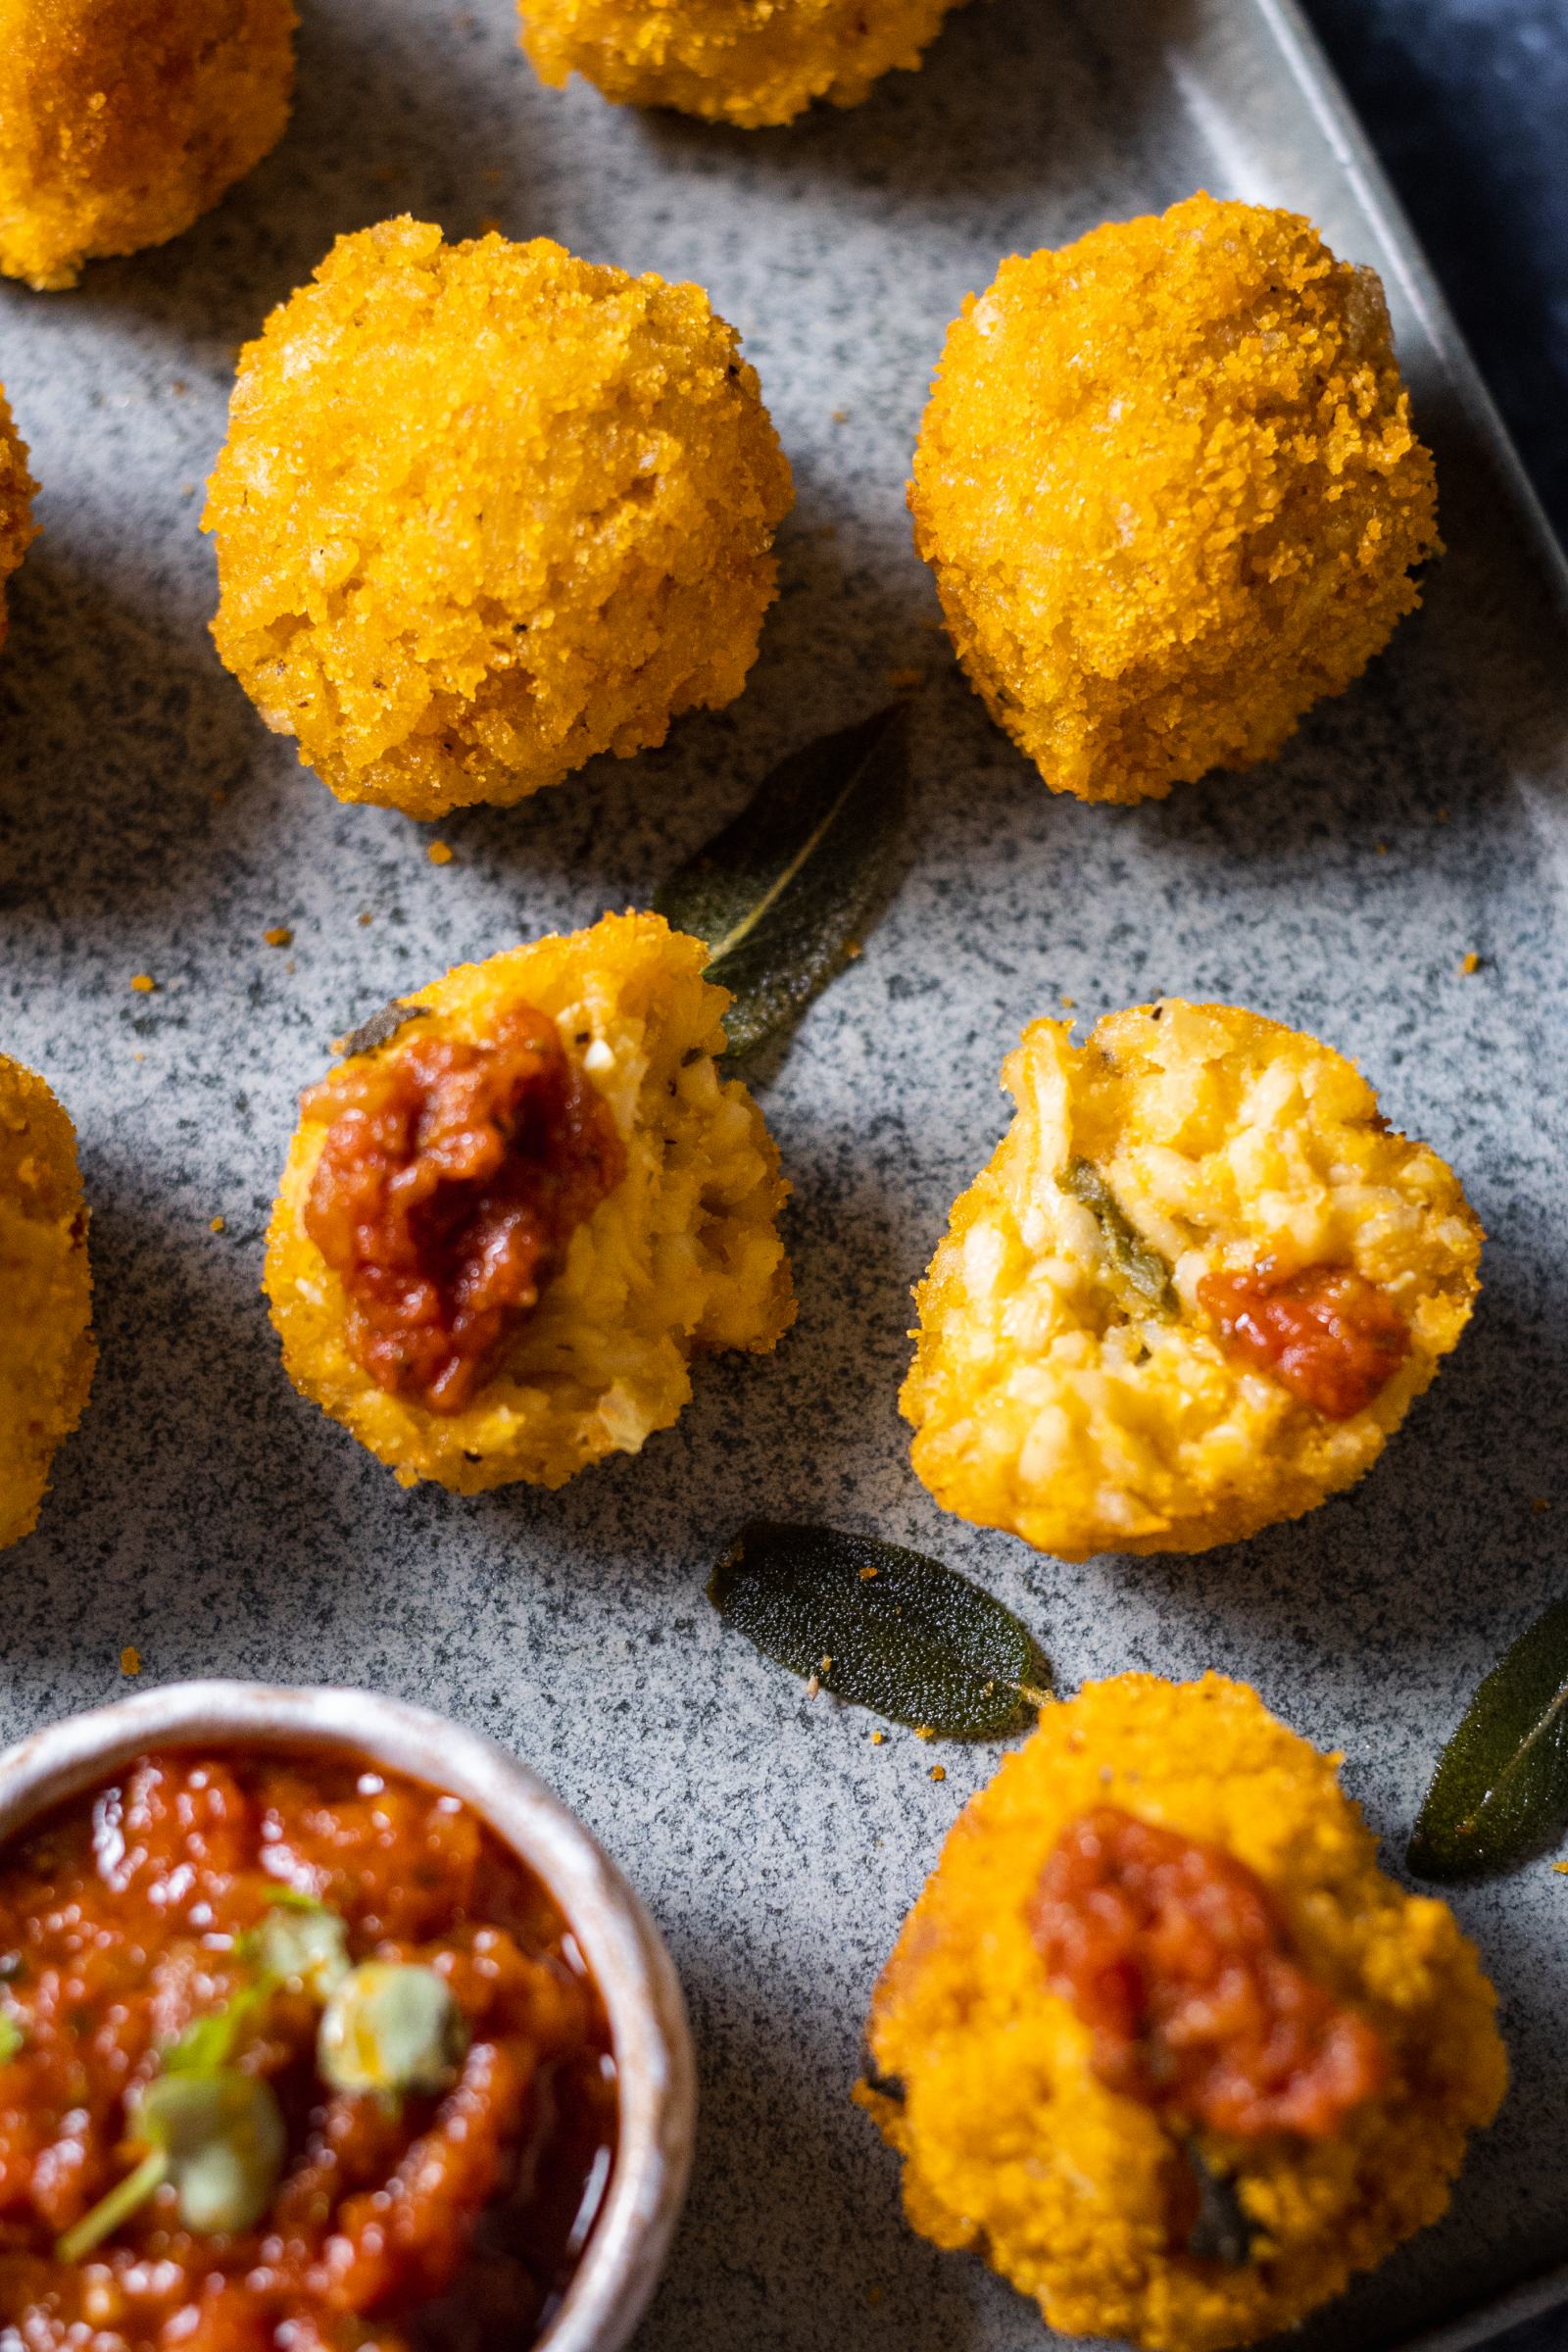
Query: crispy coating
x=122, y=120
x=46, y=1348
x=1054, y=1396
x=682, y=1257
x=486, y=509
x=18, y=530
x=751, y=62
x=1014, y=2146
x=1169, y=486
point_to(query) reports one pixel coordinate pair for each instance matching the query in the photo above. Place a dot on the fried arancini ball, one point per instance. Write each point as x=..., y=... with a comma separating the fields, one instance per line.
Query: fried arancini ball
x=539, y=1199
x=1169, y=487
x=122, y=120
x=18, y=530
x=46, y=1348
x=995, y=2064
x=1193, y=1294
x=486, y=509
x=750, y=62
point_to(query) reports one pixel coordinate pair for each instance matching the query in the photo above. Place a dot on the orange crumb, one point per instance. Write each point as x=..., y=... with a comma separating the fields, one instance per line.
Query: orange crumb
x=923, y=1731
x=1383, y=848
x=1561, y=1868
x=143, y=983
x=866, y=1575
x=841, y=416
x=1540, y=1502
x=939, y=1772
x=1470, y=963
x=877, y=1739
x=827, y=1663
x=366, y=916
x=217, y=1225
x=812, y=1688
x=280, y=936
x=129, y=1660
x=439, y=853
x=1069, y=1004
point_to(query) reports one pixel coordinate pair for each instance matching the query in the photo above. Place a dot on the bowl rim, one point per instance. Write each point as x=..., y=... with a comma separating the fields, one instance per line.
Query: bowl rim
x=626, y=1954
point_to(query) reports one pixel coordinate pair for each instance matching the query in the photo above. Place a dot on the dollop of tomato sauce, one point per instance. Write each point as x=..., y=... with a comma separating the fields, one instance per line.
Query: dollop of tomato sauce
x=451, y=1178
x=1176, y=1956
x=1325, y=1333
x=446, y=2223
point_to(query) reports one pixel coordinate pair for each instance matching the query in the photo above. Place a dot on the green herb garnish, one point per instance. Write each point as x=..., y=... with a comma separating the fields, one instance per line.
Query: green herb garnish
x=783, y=895
x=886, y=1628
x=391, y=2028
x=1500, y=1788
x=218, y=2138
x=214, y=2131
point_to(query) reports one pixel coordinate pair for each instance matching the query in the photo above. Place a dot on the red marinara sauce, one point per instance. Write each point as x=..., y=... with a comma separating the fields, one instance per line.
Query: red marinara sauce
x=1177, y=1958
x=451, y=1178
x=439, y=2222
x=1325, y=1333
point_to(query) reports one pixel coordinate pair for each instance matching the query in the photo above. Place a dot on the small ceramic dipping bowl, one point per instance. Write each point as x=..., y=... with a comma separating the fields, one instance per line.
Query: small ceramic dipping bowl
x=620, y=1942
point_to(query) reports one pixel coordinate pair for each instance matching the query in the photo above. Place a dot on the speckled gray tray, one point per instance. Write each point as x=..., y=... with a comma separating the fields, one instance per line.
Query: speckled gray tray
x=207, y=1515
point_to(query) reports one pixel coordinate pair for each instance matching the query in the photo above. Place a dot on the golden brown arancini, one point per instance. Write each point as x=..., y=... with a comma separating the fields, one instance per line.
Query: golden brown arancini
x=1194, y=1293
x=18, y=530
x=122, y=120
x=751, y=62
x=1170, y=490
x=670, y=1248
x=994, y=2086
x=486, y=509
x=46, y=1348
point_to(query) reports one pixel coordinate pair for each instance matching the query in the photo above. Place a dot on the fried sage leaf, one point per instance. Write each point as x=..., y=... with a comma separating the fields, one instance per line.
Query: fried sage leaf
x=1142, y=1269
x=783, y=895
x=884, y=1626
x=1223, y=2230
x=1500, y=1790
x=381, y=1026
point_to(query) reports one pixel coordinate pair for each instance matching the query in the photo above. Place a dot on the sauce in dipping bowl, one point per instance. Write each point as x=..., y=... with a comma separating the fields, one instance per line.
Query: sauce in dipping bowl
x=323, y=2026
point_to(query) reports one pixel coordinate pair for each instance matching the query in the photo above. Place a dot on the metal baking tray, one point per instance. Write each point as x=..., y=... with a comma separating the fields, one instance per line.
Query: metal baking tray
x=148, y=824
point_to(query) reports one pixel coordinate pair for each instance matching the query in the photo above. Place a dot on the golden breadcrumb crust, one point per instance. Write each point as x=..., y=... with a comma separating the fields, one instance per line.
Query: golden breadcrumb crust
x=682, y=1257
x=1051, y=1396
x=46, y=1348
x=751, y=62
x=1169, y=487
x=486, y=509
x=1014, y=2146
x=18, y=489
x=122, y=120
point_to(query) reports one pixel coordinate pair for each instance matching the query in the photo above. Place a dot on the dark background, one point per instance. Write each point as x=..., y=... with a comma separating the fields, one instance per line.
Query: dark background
x=1467, y=103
